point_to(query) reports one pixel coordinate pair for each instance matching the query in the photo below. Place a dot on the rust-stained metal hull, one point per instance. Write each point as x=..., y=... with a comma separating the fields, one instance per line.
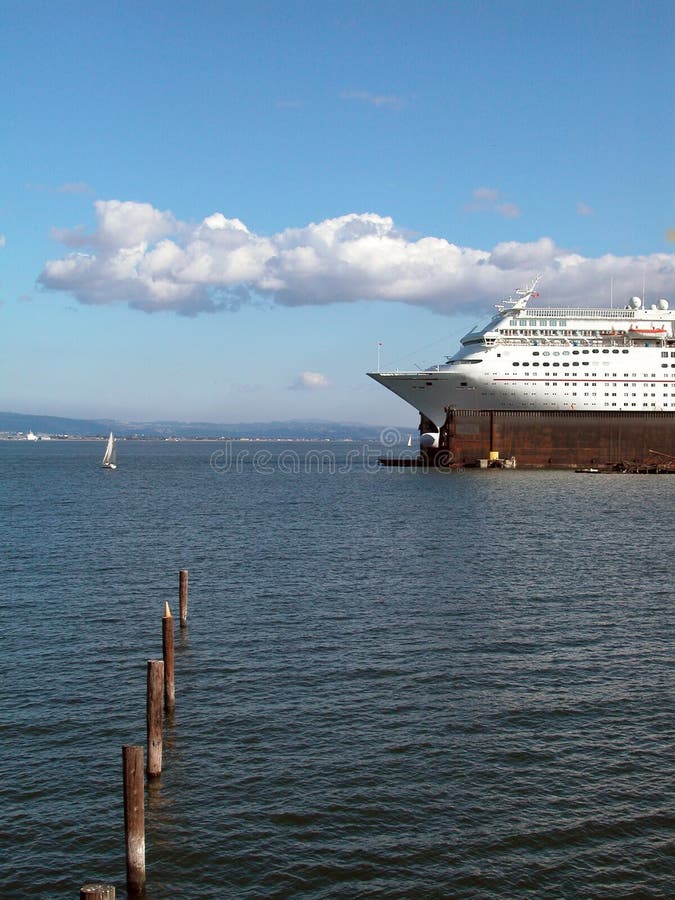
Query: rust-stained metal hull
x=538, y=439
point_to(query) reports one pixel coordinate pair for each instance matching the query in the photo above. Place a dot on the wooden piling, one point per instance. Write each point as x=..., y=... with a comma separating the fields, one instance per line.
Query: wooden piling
x=134, y=819
x=154, y=716
x=168, y=654
x=183, y=596
x=96, y=891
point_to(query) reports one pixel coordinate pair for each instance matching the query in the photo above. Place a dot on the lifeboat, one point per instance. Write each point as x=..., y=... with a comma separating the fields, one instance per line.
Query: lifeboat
x=657, y=332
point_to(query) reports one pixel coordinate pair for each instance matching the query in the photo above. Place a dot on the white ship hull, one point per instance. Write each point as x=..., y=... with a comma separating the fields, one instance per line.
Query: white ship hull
x=552, y=359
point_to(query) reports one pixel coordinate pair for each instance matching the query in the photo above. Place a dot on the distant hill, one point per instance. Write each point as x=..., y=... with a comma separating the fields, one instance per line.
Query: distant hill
x=12, y=423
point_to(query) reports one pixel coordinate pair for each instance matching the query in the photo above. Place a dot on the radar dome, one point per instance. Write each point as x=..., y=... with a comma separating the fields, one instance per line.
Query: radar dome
x=634, y=303
x=662, y=304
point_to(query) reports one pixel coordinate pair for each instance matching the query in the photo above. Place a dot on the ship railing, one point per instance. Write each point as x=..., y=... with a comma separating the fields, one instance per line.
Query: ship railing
x=581, y=313
x=615, y=340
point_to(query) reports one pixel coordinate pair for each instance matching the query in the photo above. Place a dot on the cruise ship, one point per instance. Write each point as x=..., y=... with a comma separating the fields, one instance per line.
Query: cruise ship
x=530, y=358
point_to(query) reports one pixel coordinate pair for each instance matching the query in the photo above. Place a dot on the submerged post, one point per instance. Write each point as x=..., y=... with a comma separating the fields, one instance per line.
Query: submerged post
x=183, y=596
x=134, y=819
x=168, y=654
x=97, y=891
x=154, y=716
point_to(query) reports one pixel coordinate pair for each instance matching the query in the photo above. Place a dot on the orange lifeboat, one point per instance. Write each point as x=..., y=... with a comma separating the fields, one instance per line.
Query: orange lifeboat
x=657, y=332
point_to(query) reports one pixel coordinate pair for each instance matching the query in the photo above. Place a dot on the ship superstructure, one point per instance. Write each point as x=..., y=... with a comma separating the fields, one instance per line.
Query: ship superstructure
x=552, y=359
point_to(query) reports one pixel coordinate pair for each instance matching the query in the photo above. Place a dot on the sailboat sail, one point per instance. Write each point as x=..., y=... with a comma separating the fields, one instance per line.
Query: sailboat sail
x=109, y=460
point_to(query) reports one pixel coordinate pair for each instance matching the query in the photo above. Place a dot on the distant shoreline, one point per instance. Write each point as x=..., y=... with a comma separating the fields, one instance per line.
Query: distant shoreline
x=22, y=439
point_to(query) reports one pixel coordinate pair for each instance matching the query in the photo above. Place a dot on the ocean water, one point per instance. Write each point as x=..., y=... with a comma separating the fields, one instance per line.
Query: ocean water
x=392, y=684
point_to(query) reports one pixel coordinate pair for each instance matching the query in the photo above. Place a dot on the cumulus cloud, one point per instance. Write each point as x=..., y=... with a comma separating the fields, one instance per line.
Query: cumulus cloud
x=3, y=240
x=310, y=381
x=150, y=260
x=584, y=209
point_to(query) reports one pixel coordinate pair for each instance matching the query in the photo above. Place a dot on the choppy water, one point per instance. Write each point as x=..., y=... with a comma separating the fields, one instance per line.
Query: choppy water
x=393, y=684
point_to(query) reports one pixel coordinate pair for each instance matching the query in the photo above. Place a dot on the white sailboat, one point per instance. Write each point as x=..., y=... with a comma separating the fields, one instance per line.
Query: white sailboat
x=109, y=460
x=410, y=440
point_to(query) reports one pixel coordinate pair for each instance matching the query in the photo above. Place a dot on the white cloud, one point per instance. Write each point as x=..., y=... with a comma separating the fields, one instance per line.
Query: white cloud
x=3, y=240
x=583, y=209
x=74, y=187
x=508, y=210
x=121, y=224
x=310, y=381
x=146, y=258
x=486, y=199
x=387, y=100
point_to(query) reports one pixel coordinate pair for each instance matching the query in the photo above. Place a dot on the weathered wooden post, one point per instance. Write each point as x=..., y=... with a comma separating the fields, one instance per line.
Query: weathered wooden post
x=168, y=654
x=183, y=595
x=155, y=697
x=97, y=891
x=134, y=819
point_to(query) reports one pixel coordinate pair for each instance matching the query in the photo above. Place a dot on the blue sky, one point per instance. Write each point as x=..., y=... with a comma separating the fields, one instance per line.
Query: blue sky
x=215, y=211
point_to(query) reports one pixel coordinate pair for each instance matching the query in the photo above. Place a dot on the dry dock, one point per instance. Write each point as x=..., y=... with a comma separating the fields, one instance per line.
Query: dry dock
x=557, y=440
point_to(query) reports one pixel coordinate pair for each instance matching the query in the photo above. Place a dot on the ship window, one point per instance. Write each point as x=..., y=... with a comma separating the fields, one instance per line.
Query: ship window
x=535, y=363
x=595, y=351
x=428, y=384
x=584, y=351
x=546, y=364
x=526, y=363
x=605, y=351
x=624, y=351
x=615, y=351
x=664, y=365
x=556, y=364
x=536, y=353
x=463, y=384
x=515, y=364
x=575, y=363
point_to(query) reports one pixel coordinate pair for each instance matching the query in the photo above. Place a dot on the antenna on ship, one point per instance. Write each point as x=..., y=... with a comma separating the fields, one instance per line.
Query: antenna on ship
x=379, y=347
x=611, y=292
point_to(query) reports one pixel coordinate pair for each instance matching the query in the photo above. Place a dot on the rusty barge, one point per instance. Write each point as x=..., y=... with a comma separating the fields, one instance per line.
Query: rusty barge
x=556, y=387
